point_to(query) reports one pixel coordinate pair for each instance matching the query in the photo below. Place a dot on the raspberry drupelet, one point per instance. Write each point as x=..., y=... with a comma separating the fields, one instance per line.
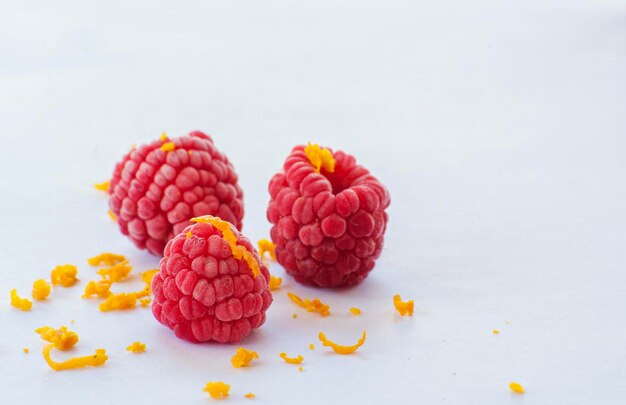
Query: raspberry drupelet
x=328, y=216
x=157, y=187
x=211, y=284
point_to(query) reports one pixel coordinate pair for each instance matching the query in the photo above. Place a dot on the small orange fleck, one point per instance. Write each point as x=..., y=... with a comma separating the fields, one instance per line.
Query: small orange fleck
x=294, y=316
x=339, y=349
x=62, y=338
x=243, y=357
x=104, y=186
x=275, y=282
x=267, y=246
x=188, y=235
x=106, y=259
x=163, y=136
x=95, y=360
x=312, y=306
x=249, y=395
x=137, y=347
x=23, y=304
x=117, y=272
x=41, y=290
x=291, y=360
x=168, y=146
x=119, y=301
x=403, y=308
x=112, y=216
x=300, y=369
x=311, y=346
x=320, y=158
x=25, y=350
x=217, y=389
x=495, y=332
x=355, y=311
x=516, y=387
x=64, y=275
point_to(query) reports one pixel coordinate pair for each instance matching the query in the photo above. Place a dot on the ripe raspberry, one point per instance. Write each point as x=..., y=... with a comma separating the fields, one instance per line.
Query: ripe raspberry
x=206, y=289
x=157, y=187
x=328, y=217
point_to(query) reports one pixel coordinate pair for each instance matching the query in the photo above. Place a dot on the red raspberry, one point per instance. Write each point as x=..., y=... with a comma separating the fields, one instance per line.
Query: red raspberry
x=157, y=187
x=203, y=291
x=328, y=227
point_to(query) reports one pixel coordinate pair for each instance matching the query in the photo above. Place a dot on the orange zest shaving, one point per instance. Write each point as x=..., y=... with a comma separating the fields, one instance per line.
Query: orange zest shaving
x=188, y=235
x=243, y=357
x=62, y=338
x=163, y=136
x=137, y=347
x=294, y=316
x=106, y=259
x=41, y=289
x=117, y=272
x=275, y=282
x=516, y=387
x=311, y=346
x=339, y=348
x=95, y=360
x=23, y=304
x=64, y=275
x=495, y=332
x=249, y=395
x=267, y=246
x=300, y=369
x=121, y=301
x=112, y=216
x=146, y=277
x=217, y=389
x=404, y=308
x=291, y=360
x=104, y=186
x=168, y=147
x=25, y=350
x=312, y=306
x=97, y=288
x=320, y=158
x=239, y=252
x=145, y=301
x=355, y=311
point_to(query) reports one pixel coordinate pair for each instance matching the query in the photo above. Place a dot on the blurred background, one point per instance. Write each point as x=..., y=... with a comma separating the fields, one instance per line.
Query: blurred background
x=498, y=126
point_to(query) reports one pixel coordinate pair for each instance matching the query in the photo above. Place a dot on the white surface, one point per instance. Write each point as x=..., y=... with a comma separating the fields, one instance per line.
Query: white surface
x=497, y=126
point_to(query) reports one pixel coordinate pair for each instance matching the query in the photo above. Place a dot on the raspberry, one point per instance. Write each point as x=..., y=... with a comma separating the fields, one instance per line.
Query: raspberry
x=328, y=216
x=206, y=288
x=157, y=187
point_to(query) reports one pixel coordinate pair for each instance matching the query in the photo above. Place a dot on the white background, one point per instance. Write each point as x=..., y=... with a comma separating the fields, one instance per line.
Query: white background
x=498, y=127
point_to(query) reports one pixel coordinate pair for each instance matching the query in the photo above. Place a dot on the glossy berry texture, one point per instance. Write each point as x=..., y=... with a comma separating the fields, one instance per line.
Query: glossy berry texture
x=203, y=293
x=328, y=228
x=154, y=191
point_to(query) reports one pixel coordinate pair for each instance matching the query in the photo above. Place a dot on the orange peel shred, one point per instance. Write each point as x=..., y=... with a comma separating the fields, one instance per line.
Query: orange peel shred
x=94, y=360
x=106, y=259
x=243, y=357
x=340, y=349
x=104, y=186
x=20, y=303
x=267, y=246
x=320, y=158
x=217, y=389
x=121, y=301
x=403, y=307
x=312, y=306
x=291, y=360
x=64, y=275
x=41, y=289
x=137, y=347
x=275, y=282
x=62, y=339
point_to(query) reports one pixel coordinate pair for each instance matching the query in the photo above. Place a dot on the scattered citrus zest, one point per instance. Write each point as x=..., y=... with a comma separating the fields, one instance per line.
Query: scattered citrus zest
x=311, y=346
x=217, y=389
x=163, y=136
x=119, y=301
x=112, y=216
x=249, y=395
x=95, y=360
x=100, y=288
x=168, y=147
x=239, y=252
x=495, y=332
x=516, y=387
x=275, y=282
x=117, y=272
x=106, y=259
x=62, y=338
x=104, y=186
x=146, y=277
x=291, y=360
x=267, y=246
x=41, y=289
x=404, y=308
x=145, y=301
x=137, y=347
x=25, y=350
x=23, y=304
x=294, y=316
x=312, y=306
x=320, y=157
x=300, y=369
x=243, y=357
x=64, y=275
x=188, y=235
x=339, y=348
x=355, y=311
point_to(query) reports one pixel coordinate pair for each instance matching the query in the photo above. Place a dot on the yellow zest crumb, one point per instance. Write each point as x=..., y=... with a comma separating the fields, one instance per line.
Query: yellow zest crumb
x=72, y=321
x=300, y=369
x=163, y=136
x=516, y=387
x=291, y=360
x=339, y=348
x=106, y=259
x=62, y=338
x=41, y=289
x=495, y=331
x=311, y=346
x=243, y=357
x=355, y=311
x=25, y=350
x=320, y=158
x=249, y=395
x=95, y=360
x=104, y=186
x=267, y=246
x=112, y=216
x=97, y=288
x=168, y=147
x=188, y=235
x=23, y=304
x=137, y=347
x=117, y=272
x=404, y=308
x=312, y=306
x=294, y=316
x=507, y=322
x=217, y=390
x=275, y=282
x=64, y=275
x=239, y=252
x=145, y=301
x=119, y=301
